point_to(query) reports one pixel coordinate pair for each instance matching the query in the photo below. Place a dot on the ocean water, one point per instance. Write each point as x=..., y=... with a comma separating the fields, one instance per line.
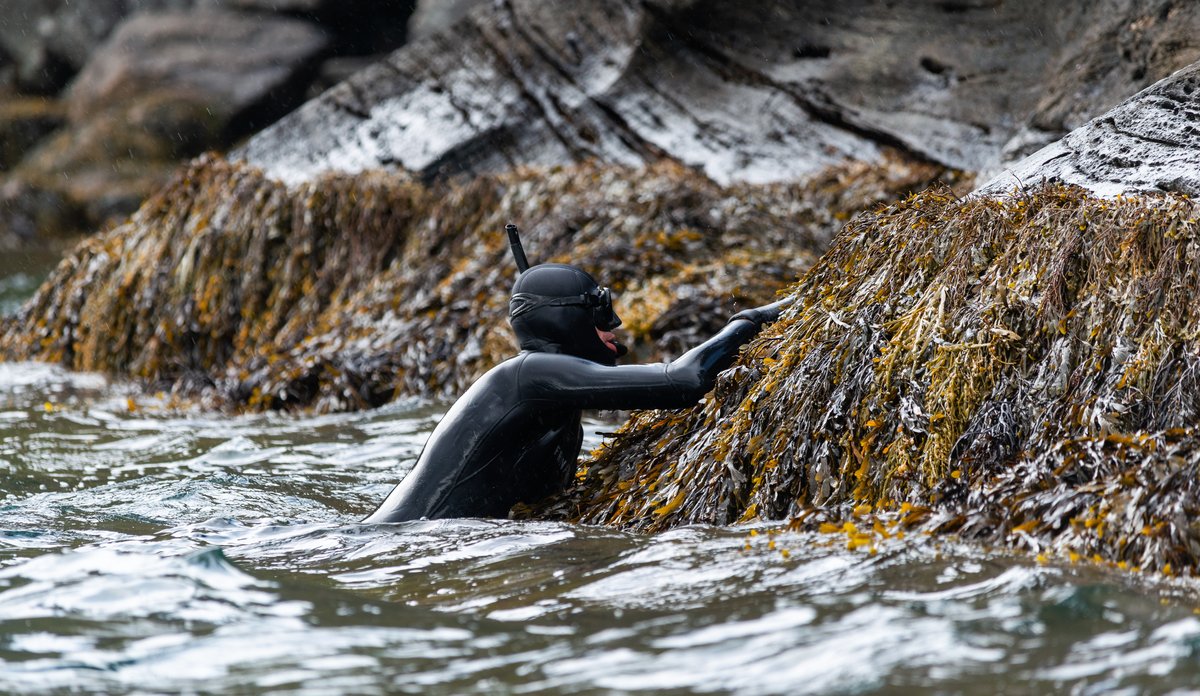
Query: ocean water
x=149, y=551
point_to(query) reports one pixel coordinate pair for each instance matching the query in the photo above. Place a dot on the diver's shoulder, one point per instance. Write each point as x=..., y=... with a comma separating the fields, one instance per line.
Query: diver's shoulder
x=533, y=358
x=536, y=366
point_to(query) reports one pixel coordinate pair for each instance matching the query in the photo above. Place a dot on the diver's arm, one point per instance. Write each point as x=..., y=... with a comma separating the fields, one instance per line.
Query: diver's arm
x=578, y=383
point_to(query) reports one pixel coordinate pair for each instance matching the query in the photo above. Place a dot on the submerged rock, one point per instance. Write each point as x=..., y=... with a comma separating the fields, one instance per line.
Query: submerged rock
x=350, y=290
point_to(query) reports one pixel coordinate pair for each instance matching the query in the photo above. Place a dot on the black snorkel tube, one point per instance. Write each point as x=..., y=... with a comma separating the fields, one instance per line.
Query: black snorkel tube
x=518, y=251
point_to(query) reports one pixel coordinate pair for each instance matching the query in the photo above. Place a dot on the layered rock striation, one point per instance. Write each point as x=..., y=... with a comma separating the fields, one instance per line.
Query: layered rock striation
x=755, y=91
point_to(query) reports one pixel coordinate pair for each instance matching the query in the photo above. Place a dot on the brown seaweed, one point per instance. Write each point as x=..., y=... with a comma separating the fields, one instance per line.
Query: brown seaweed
x=1023, y=370
x=349, y=291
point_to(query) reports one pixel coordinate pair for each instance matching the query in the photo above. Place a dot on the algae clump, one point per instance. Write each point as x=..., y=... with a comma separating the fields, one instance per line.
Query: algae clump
x=351, y=290
x=1023, y=370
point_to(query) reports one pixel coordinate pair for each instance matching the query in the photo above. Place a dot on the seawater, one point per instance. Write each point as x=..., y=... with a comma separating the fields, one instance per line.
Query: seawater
x=144, y=550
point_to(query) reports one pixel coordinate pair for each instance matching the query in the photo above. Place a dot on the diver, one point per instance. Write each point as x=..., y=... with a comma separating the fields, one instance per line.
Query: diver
x=515, y=435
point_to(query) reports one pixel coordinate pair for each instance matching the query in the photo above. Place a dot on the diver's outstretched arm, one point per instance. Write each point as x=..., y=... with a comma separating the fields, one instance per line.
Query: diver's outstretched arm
x=578, y=383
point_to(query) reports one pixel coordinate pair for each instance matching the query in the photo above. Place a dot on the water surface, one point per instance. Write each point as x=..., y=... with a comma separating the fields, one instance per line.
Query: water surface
x=143, y=551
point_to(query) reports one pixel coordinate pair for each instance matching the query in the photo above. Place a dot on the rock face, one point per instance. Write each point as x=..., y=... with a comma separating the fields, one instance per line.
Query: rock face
x=51, y=40
x=1149, y=143
x=251, y=69
x=757, y=91
x=434, y=16
x=156, y=82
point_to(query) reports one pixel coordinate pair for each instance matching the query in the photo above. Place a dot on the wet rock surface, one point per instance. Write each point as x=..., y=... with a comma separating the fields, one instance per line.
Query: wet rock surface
x=51, y=40
x=1149, y=143
x=192, y=74
x=247, y=69
x=755, y=91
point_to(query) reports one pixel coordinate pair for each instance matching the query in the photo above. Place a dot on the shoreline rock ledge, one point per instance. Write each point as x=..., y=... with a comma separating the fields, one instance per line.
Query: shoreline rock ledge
x=1149, y=143
x=754, y=92
x=1022, y=369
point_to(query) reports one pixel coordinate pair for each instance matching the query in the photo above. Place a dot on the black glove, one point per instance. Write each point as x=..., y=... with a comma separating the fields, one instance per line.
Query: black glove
x=764, y=314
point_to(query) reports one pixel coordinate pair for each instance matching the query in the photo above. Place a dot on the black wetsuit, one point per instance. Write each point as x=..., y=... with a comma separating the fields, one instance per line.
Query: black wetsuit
x=514, y=436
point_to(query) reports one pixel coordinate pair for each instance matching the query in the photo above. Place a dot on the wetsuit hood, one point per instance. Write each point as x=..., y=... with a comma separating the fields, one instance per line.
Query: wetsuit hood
x=567, y=326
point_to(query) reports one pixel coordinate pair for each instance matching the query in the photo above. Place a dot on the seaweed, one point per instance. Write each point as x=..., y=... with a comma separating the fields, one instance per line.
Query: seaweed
x=1021, y=370
x=351, y=290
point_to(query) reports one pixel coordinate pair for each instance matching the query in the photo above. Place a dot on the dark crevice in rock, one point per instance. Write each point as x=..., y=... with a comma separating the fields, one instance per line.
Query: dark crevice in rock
x=933, y=66
x=1112, y=125
x=809, y=51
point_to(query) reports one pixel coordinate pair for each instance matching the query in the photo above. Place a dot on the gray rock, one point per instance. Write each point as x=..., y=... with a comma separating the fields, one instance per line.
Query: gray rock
x=23, y=122
x=249, y=69
x=1150, y=142
x=434, y=16
x=50, y=40
x=754, y=91
x=29, y=212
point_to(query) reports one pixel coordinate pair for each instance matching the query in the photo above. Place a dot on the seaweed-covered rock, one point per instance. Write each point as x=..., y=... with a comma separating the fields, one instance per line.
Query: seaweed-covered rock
x=346, y=291
x=1020, y=368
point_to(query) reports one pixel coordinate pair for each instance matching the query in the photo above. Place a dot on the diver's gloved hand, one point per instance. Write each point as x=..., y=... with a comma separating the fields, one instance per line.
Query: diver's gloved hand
x=764, y=314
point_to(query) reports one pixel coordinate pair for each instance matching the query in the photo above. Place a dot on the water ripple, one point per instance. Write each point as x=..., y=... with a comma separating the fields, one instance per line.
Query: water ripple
x=148, y=550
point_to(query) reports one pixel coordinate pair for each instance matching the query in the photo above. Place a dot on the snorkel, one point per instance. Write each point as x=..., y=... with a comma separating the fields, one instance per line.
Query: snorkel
x=518, y=251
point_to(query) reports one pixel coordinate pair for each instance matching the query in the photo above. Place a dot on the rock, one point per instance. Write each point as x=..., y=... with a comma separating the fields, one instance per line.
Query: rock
x=1151, y=142
x=358, y=27
x=757, y=91
x=50, y=40
x=23, y=122
x=30, y=213
x=109, y=164
x=434, y=16
x=249, y=70
x=1016, y=370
